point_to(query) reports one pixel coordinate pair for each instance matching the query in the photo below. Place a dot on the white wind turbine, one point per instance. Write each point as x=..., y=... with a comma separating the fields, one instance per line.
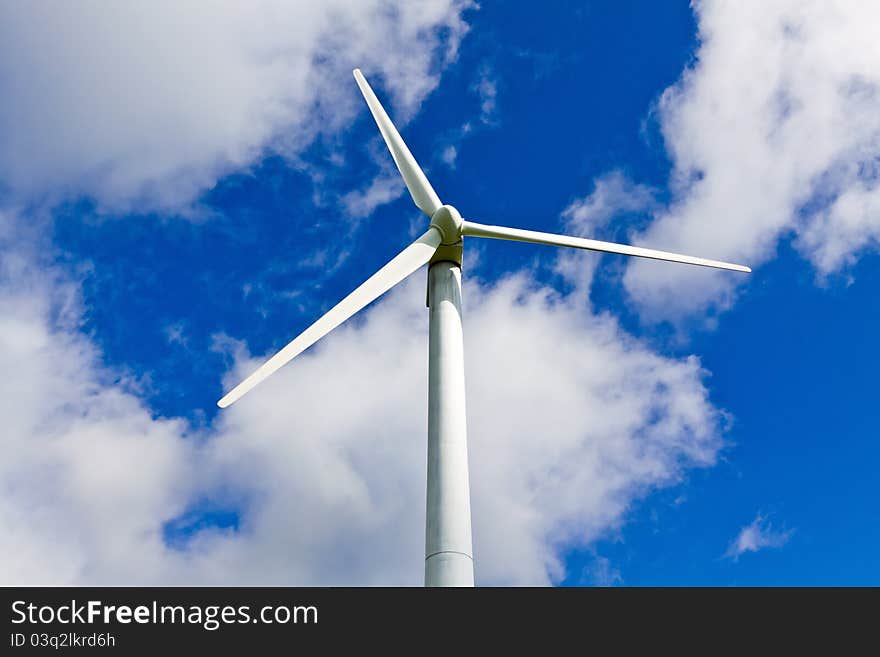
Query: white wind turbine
x=448, y=552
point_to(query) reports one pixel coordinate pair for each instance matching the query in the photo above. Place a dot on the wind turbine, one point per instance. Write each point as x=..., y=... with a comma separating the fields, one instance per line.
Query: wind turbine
x=448, y=551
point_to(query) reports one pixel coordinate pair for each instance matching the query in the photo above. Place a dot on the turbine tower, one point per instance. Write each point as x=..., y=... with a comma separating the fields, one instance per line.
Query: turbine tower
x=448, y=551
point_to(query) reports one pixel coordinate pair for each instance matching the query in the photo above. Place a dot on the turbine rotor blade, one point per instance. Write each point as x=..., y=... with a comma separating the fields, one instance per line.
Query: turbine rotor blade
x=405, y=263
x=419, y=188
x=473, y=229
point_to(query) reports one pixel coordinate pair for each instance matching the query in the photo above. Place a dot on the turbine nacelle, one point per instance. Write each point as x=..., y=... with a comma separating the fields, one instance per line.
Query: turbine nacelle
x=448, y=222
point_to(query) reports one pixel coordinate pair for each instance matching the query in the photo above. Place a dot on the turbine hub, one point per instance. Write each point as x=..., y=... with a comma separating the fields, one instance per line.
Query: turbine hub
x=447, y=220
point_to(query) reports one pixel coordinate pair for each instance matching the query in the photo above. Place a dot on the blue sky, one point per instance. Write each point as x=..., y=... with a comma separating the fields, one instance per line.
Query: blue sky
x=682, y=128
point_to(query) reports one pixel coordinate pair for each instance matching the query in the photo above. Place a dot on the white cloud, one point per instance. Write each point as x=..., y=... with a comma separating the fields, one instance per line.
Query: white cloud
x=386, y=187
x=449, y=156
x=773, y=132
x=147, y=104
x=757, y=535
x=486, y=88
x=326, y=461
x=613, y=195
x=602, y=573
x=89, y=475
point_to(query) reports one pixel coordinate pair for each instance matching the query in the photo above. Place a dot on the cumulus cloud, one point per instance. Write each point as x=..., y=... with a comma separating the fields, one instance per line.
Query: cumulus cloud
x=147, y=105
x=89, y=475
x=774, y=133
x=757, y=535
x=325, y=464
